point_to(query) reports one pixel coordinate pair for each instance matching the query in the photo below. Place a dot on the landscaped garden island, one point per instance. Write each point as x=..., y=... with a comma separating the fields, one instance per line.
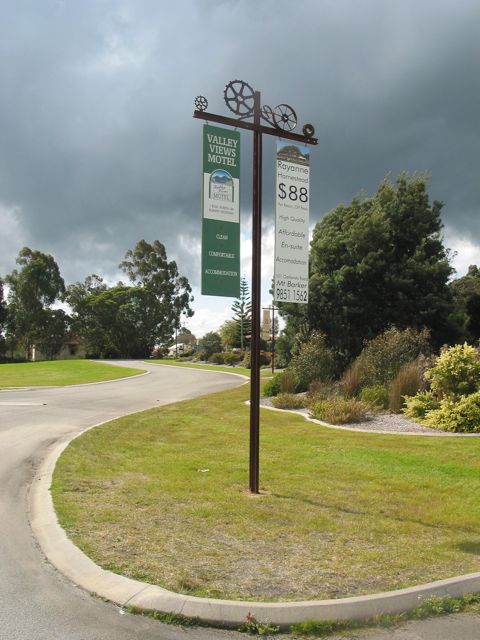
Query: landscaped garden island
x=162, y=497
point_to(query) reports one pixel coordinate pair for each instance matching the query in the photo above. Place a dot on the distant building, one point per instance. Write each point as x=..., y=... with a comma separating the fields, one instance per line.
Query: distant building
x=73, y=348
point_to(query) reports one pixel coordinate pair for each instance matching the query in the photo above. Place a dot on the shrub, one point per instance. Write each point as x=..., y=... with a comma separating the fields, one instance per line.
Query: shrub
x=376, y=397
x=339, y=410
x=282, y=382
x=418, y=406
x=406, y=383
x=231, y=358
x=318, y=390
x=313, y=361
x=288, y=401
x=264, y=360
x=216, y=358
x=461, y=415
x=211, y=343
x=288, y=381
x=383, y=357
x=273, y=387
x=456, y=372
x=351, y=381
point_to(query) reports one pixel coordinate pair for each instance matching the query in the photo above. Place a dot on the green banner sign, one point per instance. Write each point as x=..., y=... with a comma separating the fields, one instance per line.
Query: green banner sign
x=221, y=212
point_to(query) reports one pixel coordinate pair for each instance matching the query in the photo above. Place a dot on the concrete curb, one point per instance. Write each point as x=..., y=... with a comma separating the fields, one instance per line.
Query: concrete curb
x=385, y=432
x=227, y=373
x=75, y=565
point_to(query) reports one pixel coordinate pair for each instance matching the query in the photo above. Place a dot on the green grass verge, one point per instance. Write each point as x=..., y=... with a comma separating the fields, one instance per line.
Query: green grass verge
x=60, y=373
x=430, y=607
x=264, y=373
x=161, y=496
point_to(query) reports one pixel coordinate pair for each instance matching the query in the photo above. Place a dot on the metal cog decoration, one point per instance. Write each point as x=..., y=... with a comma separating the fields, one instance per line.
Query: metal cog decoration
x=284, y=117
x=308, y=130
x=239, y=97
x=267, y=114
x=201, y=103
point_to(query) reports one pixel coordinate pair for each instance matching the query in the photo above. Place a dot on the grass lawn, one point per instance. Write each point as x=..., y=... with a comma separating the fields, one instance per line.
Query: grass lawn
x=161, y=496
x=264, y=373
x=60, y=373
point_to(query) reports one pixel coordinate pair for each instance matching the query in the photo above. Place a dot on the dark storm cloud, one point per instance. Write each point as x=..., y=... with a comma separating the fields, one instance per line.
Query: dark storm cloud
x=98, y=146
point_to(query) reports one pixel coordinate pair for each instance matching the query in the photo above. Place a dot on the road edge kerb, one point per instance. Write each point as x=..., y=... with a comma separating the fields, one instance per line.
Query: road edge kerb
x=227, y=373
x=82, y=571
x=381, y=432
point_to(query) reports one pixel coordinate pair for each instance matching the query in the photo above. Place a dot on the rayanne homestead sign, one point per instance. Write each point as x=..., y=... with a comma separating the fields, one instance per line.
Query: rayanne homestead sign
x=221, y=212
x=291, y=223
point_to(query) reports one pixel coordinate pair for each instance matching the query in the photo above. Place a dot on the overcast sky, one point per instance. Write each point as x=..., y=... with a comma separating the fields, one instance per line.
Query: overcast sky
x=98, y=147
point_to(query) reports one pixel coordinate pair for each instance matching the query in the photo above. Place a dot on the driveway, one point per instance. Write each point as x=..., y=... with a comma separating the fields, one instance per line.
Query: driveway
x=36, y=602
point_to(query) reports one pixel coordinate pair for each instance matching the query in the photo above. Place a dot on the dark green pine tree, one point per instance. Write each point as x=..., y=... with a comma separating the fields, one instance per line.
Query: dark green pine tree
x=375, y=263
x=242, y=314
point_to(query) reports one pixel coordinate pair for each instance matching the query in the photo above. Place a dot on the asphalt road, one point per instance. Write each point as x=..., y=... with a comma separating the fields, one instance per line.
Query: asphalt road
x=36, y=602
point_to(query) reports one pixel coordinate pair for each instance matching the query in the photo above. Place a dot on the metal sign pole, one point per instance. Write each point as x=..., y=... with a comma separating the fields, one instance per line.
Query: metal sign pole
x=256, y=292
x=246, y=103
x=273, y=338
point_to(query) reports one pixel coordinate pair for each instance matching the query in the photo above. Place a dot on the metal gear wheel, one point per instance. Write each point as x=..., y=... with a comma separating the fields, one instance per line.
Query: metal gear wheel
x=239, y=97
x=267, y=114
x=201, y=103
x=308, y=130
x=284, y=117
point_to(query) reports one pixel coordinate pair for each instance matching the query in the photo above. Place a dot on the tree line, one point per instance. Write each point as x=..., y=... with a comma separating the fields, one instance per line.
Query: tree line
x=125, y=320
x=375, y=263
x=380, y=262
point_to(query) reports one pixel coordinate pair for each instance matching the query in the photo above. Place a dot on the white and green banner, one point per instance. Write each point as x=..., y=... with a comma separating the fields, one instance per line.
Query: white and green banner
x=291, y=223
x=221, y=212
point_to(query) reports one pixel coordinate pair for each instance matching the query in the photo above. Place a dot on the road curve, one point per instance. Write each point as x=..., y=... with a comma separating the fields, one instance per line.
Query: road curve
x=36, y=602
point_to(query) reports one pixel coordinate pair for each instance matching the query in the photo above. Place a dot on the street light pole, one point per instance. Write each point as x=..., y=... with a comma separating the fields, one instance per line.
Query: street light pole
x=246, y=103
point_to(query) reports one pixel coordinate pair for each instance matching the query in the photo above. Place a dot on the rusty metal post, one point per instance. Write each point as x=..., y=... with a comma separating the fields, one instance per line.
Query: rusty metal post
x=256, y=294
x=273, y=338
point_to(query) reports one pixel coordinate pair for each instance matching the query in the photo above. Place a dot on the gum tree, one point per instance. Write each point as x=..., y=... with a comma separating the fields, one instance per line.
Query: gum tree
x=33, y=288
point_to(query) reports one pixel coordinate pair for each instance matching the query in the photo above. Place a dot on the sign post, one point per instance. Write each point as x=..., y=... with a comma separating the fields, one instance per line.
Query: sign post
x=245, y=103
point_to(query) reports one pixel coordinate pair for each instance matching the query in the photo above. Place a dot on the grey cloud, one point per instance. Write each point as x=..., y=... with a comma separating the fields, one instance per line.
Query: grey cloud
x=98, y=146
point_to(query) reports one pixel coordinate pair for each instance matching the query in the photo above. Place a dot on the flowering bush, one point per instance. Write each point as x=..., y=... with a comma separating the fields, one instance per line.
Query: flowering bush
x=456, y=372
x=418, y=406
x=461, y=415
